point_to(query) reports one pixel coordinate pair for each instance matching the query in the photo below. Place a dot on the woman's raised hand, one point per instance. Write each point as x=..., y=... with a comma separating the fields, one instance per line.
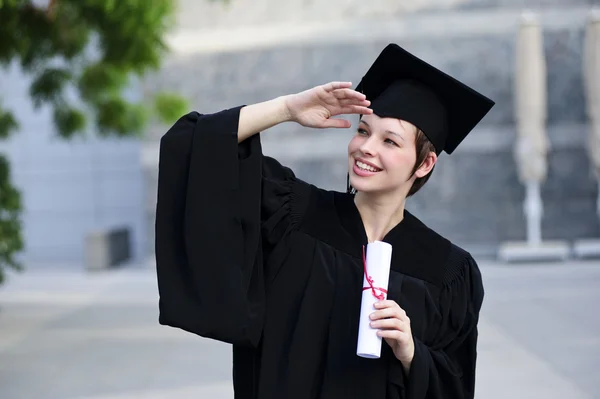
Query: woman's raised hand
x=317, y=107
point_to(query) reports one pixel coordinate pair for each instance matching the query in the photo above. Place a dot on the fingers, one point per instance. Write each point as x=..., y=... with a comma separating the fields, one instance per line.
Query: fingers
x=356, y=109
x=389, y=309
x=348, y=94
x=331, y=86
x=389, y=324
x=394, y=334
x=386, y=303
x=337, y=123
x=354, y=101
x=387, y=313
x=391, y=320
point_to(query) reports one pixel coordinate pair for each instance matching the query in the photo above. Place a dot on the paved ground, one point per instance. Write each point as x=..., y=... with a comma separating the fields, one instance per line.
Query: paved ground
x=66, y=334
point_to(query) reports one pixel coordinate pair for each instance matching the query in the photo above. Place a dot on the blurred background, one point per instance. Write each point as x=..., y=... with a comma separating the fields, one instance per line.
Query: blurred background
x=88, y=88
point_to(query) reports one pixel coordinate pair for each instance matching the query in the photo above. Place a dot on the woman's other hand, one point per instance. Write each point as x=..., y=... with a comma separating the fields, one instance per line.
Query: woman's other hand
x=394, y=326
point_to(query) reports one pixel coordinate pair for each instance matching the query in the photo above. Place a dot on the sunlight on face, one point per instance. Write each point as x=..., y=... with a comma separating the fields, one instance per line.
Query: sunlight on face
x=382, y=155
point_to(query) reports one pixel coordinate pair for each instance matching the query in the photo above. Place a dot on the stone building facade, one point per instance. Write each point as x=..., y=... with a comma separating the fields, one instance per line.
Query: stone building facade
x=226, y=57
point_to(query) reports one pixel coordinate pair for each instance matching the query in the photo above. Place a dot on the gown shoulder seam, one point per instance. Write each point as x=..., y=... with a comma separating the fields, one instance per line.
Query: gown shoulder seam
x=458, y=263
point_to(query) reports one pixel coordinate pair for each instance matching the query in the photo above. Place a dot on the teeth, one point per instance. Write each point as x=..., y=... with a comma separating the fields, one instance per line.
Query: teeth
x=366, y=167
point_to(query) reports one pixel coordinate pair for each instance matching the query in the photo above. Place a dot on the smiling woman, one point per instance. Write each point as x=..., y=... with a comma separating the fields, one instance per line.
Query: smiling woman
x=397, y=140
x=249, y=254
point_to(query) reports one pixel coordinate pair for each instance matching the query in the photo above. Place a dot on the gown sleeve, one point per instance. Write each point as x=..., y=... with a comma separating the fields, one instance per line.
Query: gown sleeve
x=445, y=368
x=214, y=199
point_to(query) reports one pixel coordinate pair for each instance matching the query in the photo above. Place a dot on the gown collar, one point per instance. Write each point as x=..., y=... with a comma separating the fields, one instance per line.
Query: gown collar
x=353, y=224
x=417, y=250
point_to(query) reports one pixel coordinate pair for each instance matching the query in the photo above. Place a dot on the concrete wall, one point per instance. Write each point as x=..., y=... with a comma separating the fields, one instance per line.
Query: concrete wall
x=474, y=196
x=235, y=14
x=68, y=188
x=224, y=55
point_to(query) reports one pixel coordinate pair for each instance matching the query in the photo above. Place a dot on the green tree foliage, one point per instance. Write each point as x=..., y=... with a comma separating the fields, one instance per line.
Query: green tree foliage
x=82, y=56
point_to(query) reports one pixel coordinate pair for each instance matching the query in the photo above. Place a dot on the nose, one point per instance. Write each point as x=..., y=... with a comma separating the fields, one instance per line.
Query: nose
x=368, y=147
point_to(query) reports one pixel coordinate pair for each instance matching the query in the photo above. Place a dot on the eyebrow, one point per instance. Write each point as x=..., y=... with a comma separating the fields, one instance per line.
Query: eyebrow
x=387, y=131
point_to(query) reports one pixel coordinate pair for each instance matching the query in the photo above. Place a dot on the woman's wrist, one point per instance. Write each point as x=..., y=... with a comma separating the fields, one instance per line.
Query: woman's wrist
x=406, y=365
x=258, y=117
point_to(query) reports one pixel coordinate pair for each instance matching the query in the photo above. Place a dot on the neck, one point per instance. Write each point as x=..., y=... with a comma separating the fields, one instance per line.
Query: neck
x=379, y=213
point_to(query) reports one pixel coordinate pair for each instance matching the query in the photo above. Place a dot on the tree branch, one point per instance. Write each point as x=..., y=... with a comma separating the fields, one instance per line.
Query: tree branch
x=51, y=9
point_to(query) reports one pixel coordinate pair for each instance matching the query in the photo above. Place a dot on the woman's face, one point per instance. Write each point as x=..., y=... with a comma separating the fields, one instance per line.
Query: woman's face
x=382, y=155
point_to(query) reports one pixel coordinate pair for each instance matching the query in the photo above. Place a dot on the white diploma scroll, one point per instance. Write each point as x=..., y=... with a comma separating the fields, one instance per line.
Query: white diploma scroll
x=378, y=257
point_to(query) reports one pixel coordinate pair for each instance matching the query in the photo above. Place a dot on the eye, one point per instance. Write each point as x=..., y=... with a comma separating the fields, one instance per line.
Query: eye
x=362, y=132
x=390, y=141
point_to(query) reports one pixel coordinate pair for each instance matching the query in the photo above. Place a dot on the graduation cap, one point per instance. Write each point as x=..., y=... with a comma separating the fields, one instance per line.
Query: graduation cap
x=400, y=85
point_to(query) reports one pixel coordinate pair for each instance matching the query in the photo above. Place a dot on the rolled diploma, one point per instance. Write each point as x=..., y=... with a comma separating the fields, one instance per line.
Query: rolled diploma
x=379, y=257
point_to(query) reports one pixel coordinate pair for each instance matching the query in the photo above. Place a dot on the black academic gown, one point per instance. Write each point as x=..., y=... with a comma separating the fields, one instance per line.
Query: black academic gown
x=249, y=254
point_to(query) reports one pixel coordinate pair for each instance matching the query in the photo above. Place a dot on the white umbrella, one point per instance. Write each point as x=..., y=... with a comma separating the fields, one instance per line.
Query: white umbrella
x=532, y=145
x=591, y=69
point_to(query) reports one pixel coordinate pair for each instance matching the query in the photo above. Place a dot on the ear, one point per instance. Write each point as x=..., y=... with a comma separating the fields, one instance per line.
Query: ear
x=427, y=165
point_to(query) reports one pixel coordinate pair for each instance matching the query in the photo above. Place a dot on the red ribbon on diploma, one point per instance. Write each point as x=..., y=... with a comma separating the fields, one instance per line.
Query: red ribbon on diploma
x=371, y=287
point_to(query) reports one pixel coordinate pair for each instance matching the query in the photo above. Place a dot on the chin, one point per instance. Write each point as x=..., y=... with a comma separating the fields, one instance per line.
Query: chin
x=375, y=187
x=363, y=186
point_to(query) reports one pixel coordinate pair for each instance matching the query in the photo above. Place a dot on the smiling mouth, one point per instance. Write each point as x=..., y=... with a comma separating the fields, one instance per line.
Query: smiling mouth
x=366, y=167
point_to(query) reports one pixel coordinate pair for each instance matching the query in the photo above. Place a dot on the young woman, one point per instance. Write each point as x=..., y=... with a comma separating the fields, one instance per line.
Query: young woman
x=249, y=254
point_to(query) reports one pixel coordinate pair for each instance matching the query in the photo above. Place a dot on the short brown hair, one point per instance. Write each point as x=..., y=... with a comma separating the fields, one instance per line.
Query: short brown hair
x=423, y=147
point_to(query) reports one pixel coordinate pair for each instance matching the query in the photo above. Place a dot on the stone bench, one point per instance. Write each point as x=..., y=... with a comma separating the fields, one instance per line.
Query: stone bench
x=107, y=248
